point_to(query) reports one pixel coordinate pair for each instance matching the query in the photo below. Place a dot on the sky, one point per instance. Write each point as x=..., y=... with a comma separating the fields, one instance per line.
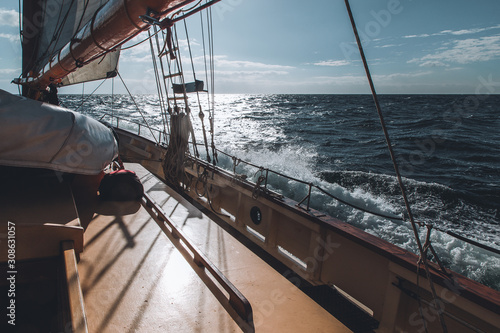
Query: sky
x=291, y=46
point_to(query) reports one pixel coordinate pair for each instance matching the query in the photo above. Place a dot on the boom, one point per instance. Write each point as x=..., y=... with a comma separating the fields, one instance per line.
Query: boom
x=111, y=25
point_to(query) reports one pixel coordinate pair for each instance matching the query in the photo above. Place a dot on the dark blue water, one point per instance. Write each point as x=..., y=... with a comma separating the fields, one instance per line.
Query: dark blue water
x=447, y=148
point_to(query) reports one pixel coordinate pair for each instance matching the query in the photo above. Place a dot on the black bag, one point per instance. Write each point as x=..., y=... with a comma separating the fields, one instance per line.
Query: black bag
x=121, y=185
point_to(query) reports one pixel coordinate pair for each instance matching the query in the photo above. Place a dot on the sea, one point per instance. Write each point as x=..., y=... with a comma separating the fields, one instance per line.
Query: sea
x=447, y=148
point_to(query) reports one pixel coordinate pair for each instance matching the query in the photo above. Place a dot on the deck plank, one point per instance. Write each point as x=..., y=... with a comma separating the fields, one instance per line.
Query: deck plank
x=134, y=280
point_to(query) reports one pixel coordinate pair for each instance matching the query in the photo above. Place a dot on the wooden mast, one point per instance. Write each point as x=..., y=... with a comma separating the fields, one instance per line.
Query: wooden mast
x=112, y=25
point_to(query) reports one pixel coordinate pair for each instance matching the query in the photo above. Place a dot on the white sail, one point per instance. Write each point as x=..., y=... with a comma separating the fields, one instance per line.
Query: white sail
x=60, y=38
x=105, y=68
x=53, y=27
x=41, y=135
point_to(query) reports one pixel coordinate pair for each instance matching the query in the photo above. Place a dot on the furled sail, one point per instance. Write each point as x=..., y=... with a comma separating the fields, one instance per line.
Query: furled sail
x=41, y=135
x=60, y=37
x=52, y=26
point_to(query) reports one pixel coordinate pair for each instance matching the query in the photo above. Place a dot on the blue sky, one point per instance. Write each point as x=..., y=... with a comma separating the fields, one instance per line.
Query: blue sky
x=291, y=46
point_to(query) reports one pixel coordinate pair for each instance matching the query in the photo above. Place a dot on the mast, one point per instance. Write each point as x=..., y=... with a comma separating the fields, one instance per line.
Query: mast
x=111, y=25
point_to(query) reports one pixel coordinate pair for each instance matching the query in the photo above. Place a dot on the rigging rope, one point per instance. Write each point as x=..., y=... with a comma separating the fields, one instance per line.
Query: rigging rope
x=58, y=31
x=161, y=100
x=396, y=167
x=183, y=82
x=160, y=54
x=183, y=10
x=113, y=99
x=21, y=10
x=137, y=107
x=200, y=114
x=88, y=96
x=181, y=127
x=142, y=41
x=212, y=82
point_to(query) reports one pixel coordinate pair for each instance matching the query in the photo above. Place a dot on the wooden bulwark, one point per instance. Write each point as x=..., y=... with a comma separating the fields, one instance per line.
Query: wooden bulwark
x=326, y=251
x=237, y=305
x=75, y=296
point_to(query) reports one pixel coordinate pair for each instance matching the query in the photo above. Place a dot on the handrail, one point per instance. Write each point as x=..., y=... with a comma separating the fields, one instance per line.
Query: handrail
x=118, y=119
x=390, y=218
x=317, y=187
x=236, y=305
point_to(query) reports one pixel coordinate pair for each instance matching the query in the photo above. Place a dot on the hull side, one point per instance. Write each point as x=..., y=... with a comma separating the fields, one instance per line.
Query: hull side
x=379, y=276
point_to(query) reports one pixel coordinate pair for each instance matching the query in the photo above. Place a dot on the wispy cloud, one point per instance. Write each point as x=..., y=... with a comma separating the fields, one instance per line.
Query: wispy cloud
x=332, y=63
x=420, y=36
x=9, y=71
x=141, y=52
x=379, y=79
x=468, y=31
x=138, y=49
x=387, y=45
x=396, y=76
x=253, y=74
x=463, y=52
x=455, y=32
x=9, y=17
x=223, y=61
x=10, y=37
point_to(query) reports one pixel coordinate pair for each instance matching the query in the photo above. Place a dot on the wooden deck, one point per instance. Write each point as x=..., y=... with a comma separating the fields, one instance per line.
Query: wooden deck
x=134, y=280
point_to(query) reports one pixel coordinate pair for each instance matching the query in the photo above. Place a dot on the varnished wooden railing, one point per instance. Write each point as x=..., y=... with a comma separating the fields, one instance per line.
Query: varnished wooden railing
x=75, y=295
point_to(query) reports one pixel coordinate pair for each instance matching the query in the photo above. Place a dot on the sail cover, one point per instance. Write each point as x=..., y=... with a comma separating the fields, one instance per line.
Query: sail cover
x=40, y=135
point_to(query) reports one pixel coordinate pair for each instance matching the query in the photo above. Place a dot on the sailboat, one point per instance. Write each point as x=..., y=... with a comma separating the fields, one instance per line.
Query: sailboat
x=204, y=249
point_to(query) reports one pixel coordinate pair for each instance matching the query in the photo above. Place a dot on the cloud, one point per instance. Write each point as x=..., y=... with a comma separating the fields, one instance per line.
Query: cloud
x=388, y=45
x=432, y=63
x=9, y=71
x=455, y=32
x=468, y=31
x=10, y=37
x=234, y=75
x=419, y=36
x=137, y=53
x=332, y=63
x=253, y=73
x=396, y=76
x=9, y=17
x=183, y=44
x=361, y=79
x=245, y=71
x=223, y=61
x=138, y=49
x=341, y=79
x=463, y=52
